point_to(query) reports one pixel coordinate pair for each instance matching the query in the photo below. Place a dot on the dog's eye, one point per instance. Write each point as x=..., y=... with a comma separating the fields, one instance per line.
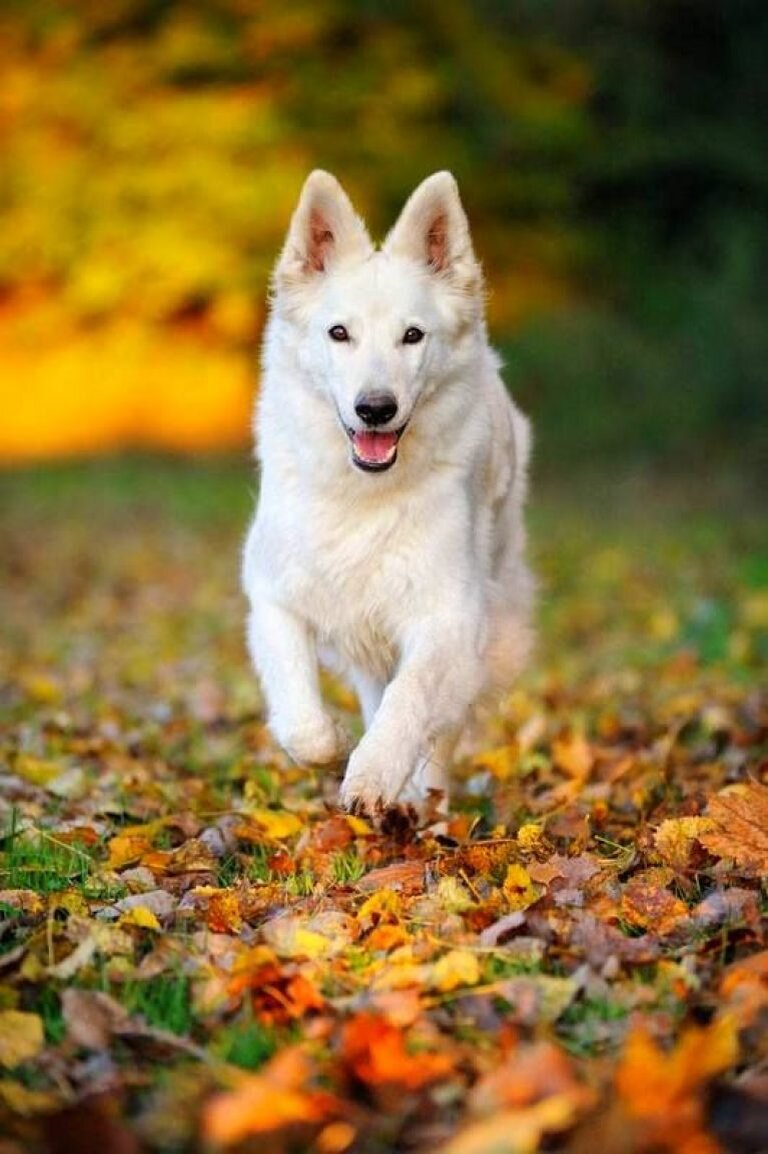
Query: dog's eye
x=412, y=336
x=338, y=333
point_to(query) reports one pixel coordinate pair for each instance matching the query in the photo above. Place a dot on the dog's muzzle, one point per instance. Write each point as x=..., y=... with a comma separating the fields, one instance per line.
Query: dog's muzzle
x=373, y=450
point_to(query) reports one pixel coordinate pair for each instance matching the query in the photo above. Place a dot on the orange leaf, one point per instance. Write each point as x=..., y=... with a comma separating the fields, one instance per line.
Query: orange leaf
x=266, y=1102
x=572, y=753
x=376, y=1053
x=648, y=905
x=740, y=815
x=663, y=1091
x=127, y=849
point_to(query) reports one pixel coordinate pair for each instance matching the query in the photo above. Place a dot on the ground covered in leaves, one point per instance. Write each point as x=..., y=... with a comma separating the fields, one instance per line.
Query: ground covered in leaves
x=199, y=952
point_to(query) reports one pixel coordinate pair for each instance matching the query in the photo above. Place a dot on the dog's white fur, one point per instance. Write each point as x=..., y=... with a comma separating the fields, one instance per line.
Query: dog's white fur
x=411, y=582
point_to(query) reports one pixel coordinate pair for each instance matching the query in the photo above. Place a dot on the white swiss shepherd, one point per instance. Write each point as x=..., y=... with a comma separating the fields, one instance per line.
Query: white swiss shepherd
x=388, y=541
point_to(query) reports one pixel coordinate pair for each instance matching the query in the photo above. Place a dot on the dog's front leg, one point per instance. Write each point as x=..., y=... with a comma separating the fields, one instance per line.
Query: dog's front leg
x=439, y=677
x=283, y=651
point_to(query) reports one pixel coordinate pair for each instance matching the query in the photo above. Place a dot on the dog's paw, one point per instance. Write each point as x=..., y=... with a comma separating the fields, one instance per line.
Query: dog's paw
x=362, y=788
x=372, y=782
x=321, y=742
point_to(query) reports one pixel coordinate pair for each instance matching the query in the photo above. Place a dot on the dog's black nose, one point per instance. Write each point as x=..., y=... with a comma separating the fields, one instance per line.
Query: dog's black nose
x=375, y=408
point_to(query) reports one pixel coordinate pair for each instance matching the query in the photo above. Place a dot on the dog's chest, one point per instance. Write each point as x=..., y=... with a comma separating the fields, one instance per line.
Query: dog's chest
x=352, y=571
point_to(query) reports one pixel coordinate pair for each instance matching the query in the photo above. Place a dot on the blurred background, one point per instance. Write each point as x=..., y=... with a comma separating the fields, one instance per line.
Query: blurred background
x=612, y=154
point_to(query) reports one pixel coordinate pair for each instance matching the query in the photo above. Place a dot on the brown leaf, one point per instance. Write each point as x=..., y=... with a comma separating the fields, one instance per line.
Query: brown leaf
x=646, y=904
x=740, y=815
x=404, y=875
x=90, y=1127
x=91, y=1017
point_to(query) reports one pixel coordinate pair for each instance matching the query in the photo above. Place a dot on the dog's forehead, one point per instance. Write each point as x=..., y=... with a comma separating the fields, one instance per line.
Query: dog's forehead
x=381, y=283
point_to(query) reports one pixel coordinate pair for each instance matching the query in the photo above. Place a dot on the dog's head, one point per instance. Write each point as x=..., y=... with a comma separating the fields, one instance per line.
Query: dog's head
x=378, y=332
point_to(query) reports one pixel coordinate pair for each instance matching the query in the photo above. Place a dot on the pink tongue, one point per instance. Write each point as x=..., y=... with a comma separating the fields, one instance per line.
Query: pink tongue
x=375, y=448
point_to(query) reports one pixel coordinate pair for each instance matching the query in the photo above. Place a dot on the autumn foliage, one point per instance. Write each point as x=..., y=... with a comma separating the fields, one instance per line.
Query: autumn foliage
x=198, y=949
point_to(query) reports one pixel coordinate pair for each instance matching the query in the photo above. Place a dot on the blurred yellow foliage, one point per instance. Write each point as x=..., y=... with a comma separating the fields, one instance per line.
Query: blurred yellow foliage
x=152, y=155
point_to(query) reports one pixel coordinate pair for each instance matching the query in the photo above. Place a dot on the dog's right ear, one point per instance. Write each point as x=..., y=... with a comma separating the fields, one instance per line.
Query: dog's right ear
x=325, y=229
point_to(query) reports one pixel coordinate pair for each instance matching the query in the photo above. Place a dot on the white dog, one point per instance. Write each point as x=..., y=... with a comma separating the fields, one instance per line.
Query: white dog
x=388, y=540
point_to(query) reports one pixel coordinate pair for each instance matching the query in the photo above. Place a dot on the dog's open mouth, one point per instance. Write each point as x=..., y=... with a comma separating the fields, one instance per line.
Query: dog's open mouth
x=374, y=451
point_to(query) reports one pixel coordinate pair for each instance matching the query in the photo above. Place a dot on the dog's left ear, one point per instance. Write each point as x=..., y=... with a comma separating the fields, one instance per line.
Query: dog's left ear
x=433, y=229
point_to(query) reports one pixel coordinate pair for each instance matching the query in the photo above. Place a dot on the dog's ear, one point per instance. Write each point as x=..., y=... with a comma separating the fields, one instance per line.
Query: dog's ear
x=433, y=229
x=324, y=229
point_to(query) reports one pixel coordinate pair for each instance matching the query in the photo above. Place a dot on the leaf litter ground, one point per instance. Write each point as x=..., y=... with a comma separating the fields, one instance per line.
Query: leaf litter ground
x=199, y=952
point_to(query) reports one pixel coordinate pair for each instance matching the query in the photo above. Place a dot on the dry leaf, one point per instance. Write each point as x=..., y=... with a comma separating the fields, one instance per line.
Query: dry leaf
x=21, y=1037
x=740, y=817
x=676, y=838
x=376, y=1053
x=664, y=1091
x=266, y=1102
x=456, y=969
x=406, y=875
x=572, y=753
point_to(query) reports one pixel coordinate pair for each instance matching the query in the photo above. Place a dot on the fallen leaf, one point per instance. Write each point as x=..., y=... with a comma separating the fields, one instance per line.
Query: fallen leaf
x=676, y=838
x=515, y=1131
x=744, y=988
x=646, y=904
x=269, y=825
x=519, y=889
x=740, y=817
x=91, y=1017
x=27, y=903
x=192, y=856
x=405, y=875
x=375, y=1051
x=141, y=916
x=26, y=1102
x=456, y=969
x=21, y=1037
x=126, y=850
x=266, y=1102
x=572, y=753
x=665, y=1091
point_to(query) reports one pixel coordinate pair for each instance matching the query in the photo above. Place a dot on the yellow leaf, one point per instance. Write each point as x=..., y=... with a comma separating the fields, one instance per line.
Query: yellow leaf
x=519, y=888
x=501, y=762
x=676, y=836
x=126, y=849
x=36, y=770
x=529, y=835
x=41, y=688
x=455, y=969
x=19, y=1099
x=21, y=1037
x=273, y=824
x=140, y=916
x=384, y=903
x=516, y=1131
x=359, y=827
x=453, y=896
x=290, y=939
